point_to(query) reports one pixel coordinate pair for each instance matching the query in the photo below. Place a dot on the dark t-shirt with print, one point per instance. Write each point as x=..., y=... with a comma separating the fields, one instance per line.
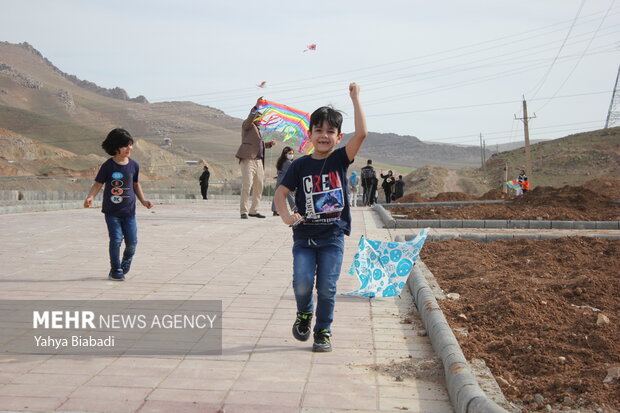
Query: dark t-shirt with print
x=119, y=199
x=321, y=195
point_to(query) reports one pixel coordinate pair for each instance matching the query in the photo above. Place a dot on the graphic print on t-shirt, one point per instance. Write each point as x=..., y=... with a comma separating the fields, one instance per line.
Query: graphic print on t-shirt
x=324, y=197
x=117, y=189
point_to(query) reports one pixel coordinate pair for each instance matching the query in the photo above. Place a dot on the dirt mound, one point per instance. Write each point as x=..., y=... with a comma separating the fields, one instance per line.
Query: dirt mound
x=543, y=203
x=453, y=196
x=494, y=194
x=532, y=310
x=609, y=187
x=575, y=196
x=413, y=197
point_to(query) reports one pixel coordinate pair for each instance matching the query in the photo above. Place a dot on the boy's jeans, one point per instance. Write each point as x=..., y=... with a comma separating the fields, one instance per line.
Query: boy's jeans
x=119, y=228
x=322, y=257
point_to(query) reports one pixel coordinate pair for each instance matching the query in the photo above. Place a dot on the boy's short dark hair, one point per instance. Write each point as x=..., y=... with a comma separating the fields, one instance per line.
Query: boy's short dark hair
x=116, y=139
x=329, y=114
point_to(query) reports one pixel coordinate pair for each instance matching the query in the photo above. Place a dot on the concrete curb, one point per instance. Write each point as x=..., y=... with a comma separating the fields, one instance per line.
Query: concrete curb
x=495, y=224
x=446, y=204
x=463, y=388
x=498, y=237
x=386, y=217
x=391, y=223
x=12, y=207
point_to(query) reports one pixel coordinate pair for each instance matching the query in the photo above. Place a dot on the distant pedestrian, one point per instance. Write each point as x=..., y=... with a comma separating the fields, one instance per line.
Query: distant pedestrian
x=368, y=176
x=388, y=186
x=284, y=161
x=204, y=182
x=354, y=185
x=251, y=155
x=523, y=182
x=120, y=176
x=374, y=195
x=399, y=188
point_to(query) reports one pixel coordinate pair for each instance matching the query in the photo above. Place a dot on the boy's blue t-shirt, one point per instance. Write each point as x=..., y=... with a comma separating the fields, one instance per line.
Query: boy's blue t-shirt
x=119, y=199
x=321, y=195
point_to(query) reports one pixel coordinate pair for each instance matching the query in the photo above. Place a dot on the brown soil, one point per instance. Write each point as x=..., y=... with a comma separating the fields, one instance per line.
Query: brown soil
x=578, y=203
x=605, y=186
x=530, y=309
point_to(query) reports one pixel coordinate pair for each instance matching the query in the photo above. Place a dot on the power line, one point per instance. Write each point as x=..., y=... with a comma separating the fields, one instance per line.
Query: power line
x=570, y=29
x=580, y=57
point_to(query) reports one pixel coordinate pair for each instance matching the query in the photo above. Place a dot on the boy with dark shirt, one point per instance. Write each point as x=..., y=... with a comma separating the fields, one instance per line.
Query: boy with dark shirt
x=120, y=176
x=323, y=217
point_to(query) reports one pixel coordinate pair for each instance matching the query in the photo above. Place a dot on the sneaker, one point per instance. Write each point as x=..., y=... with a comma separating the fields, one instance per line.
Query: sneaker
x=322, y=342
x=116, y=275
x=125, y=266
x=244, y=216
x=275, y=214
x=257, y=215
x=301, y=328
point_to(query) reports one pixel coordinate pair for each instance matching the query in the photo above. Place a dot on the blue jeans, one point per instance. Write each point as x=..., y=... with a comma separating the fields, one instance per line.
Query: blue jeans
x=119, y=228
x=323, y=258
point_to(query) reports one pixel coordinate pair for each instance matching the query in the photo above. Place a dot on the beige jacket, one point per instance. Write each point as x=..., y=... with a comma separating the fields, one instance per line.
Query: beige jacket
x=250, y=140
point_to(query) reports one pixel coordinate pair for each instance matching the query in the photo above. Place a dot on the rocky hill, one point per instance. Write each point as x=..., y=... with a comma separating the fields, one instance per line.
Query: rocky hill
x=411, y=152
x=63, y=119
x=571, y=160
x=40, y=102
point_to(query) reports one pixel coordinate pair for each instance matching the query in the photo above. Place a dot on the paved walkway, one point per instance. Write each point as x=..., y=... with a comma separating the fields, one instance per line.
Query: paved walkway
x=204, y=251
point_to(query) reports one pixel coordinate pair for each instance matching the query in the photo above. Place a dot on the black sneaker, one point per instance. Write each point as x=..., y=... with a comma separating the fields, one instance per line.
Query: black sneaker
x=257, y=215
x=116, y=275
x=322, y=342
x=244, y=216
x=125, y=266
x=301, y=328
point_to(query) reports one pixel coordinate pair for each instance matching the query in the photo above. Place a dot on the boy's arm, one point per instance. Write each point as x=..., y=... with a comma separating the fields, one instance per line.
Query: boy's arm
x=94, y=190
x=354, y=145
x=137, y=188
x=279, y=198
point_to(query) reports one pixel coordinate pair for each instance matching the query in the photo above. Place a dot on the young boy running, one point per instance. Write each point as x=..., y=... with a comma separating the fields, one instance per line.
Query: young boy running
x=320, y=182
x=120, y=176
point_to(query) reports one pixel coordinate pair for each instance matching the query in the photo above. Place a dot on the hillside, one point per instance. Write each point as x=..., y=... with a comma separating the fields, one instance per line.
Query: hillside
x=411, y=152
x=52, y=111
x=571, y=160
x=40, y=102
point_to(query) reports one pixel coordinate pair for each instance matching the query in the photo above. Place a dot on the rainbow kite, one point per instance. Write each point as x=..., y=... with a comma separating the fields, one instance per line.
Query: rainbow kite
x=513, y=184
x=284, y=123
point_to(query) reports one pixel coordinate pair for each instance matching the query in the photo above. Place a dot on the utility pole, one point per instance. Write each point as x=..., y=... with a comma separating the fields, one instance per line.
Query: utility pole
x=481, y=154
x=526, y=130
x=614, y=105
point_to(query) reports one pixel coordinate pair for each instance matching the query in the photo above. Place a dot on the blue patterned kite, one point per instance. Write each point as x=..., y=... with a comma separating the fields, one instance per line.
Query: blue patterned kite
x=383, y=267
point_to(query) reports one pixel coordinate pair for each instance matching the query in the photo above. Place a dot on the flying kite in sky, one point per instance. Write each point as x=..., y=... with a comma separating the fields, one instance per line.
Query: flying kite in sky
x=383, y=267
x=284, y=123
x=262, y=84
x=310, y=47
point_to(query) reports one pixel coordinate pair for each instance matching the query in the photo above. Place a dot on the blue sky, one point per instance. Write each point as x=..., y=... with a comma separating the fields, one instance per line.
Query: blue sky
x=443, y=72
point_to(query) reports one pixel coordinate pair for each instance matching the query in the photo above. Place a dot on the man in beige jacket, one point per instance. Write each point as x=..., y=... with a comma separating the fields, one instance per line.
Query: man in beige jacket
x=251, y=155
